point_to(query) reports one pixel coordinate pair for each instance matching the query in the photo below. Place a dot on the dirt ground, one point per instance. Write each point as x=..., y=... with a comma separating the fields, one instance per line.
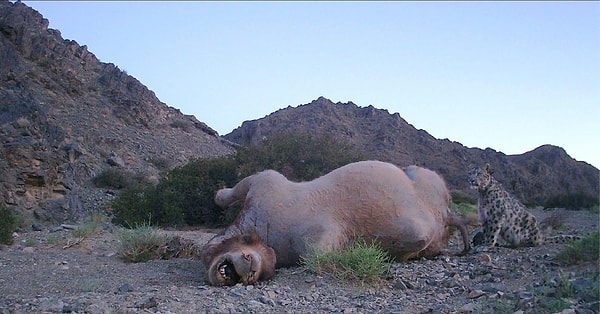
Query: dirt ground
x=51, y=271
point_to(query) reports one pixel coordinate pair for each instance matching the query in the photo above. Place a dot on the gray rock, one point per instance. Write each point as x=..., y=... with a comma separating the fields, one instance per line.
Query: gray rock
x=125, y=288
x=37, y=227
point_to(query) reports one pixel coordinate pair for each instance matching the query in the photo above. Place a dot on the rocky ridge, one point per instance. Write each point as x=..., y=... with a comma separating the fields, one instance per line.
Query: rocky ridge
x=65, y=117
x=534, y=177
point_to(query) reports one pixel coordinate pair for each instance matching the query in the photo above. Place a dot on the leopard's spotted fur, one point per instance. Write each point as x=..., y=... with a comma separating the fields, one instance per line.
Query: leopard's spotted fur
x=503, y=216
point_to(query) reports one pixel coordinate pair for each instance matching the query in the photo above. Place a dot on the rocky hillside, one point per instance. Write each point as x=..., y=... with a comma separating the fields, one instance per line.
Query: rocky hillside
x=535, y=177
x=65, y=117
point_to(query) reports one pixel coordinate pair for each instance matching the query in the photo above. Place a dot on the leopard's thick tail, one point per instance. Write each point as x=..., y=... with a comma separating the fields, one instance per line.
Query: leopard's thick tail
x=563, y=238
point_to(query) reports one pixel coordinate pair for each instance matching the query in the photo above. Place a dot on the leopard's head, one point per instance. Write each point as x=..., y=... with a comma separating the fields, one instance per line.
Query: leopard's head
x=480, y=178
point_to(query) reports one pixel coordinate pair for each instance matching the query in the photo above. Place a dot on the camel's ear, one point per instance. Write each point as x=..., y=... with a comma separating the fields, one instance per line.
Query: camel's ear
x=212, y=248
x=251, y=238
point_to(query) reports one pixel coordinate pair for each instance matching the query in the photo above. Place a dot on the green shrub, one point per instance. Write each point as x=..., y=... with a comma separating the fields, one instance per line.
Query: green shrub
x=54, y=239
x=128, y=209
x=160, y=163
x=464, y=209
x=110, y=178
x=584, y=250
x=142, y=243
x=116, y=178
x=298, y=156
x=30, y=242
x=190, y=189
x=360, y=261
x=8, y=224
x=185, y=195
x=460, y=198
x=135, y=206
x=573, y=201
x=85, y=230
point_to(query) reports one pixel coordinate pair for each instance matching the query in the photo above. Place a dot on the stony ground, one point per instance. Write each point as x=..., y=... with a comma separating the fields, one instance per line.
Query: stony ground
x=50, y=271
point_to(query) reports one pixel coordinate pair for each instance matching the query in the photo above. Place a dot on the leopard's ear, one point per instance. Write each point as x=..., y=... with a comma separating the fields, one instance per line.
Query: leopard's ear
x=488, y=169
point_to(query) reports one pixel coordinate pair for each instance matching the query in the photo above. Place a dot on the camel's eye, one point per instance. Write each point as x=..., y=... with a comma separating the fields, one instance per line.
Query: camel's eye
x=247, y=256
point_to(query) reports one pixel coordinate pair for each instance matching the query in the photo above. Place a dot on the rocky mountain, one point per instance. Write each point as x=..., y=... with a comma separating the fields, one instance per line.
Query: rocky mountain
x=65, y=117
x=535, y=177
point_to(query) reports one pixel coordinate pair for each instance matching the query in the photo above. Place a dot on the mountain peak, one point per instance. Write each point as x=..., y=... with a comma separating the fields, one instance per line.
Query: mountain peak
x=388, y=137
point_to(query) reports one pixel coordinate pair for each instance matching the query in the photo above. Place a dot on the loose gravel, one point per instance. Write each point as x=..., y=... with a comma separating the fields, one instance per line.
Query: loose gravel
x=48, y=271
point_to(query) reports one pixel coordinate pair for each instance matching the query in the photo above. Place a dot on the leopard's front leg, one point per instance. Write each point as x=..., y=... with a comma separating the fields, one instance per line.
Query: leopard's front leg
x=491, y=232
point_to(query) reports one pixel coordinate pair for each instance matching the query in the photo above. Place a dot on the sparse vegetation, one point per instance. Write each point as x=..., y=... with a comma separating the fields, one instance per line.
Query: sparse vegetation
x=464, y=209
x=22, y=219
x=552, y=295
x=181, y=124
x=564, y=288
x=90, y=227
x=460, y=198
x=86, y=230
x=573, y=201
x=555, y=221
x=468, y=211
x=584, y=250
x=115, y=178
x=110, y=178
x=142, y=243
x=190, y=190
x=298, y=156
x=53, y=239
x=160, y=163
x=8, y=224
x=360, y=262
x=30, y=242
x=499, y=306
x=134, y=207
x=183, y=197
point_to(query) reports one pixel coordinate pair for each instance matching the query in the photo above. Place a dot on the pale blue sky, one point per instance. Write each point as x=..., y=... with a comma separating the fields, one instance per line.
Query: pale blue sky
x=506, y=75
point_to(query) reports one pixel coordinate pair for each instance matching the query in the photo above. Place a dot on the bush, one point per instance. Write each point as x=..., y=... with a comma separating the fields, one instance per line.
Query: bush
x=298, y=156
x=573, y=201
x=584, y=250
x=112, y=178
x=185, y=195
x=160, y=163
x=85, y=230
x=129, y=208
x=464, y=209
x=142, y=243
x=468, y=212
x=138, y=204
x=8, y=225
x=459, y=198
x=190, y=189
x=360, y=262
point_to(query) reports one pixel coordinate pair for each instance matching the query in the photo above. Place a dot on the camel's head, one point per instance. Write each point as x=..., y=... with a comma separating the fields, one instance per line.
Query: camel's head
x=242, y=258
